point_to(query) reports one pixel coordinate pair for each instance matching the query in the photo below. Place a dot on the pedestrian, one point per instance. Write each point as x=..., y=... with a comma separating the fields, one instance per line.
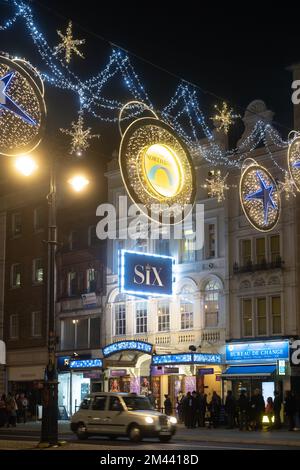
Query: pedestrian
x=151, y=398
x=11, y=409
x=290, y=408
x=243, y=407
x=257, y=409
x=215, y=409
x=270, y=411
x=230, y=409
x=188, y=409
x=168, y=405
x=3, y=413
x=24, y=407
x=179, y=400
x=277, y=409
x=202, y=409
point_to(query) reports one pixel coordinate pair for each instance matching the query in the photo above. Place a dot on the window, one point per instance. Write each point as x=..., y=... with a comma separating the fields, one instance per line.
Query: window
x=275, y=248
x=115, y=404
x=16, y=275
x=163, y=316
x=14, y=326
x=38, y=271
x=120, y=316
x=211, y=241
x=141, y=317
x=245, y=257
x=68, y=334
x=186, y=313
x=99, y=403
x=92, y=236
x=82, y=333
x=16, y=224
x=141, y=245
x=247, y=317
x=73, y=283
x=38, y=219
x=188, y=252
x=261, y=316
x=95, y=332
x=211, y=304
x=276, y=315
x=74, y=240
x=91, y=280
x=260, y=250
x=36, y=324
x=162, y=247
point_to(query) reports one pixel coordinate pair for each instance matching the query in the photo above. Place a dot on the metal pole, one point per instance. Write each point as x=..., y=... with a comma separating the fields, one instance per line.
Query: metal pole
x=49, y=431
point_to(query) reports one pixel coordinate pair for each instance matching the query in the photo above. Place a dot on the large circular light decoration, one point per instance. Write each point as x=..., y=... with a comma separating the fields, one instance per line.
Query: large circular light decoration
x=259, y=197
x=22, y=108
x=156, y=166
x=294, y=161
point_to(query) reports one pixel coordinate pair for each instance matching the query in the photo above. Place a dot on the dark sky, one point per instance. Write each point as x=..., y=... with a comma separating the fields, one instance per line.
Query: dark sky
x=239, y=52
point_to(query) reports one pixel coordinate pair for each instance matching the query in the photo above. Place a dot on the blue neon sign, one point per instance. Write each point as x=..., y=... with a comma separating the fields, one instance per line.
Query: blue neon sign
x=257, y=352
x=145, y=274
x=127, y=346
x=190, y=358
x=85, y=363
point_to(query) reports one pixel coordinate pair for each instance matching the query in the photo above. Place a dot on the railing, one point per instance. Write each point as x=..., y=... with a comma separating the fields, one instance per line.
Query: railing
x=213, y=335
x=263, y=266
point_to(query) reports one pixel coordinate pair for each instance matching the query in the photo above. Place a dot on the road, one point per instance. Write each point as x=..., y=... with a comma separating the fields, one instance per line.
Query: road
x=20, y=440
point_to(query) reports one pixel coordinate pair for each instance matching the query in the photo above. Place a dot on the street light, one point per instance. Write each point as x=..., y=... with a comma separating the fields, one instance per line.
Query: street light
x=25, y=165
x=78, y=182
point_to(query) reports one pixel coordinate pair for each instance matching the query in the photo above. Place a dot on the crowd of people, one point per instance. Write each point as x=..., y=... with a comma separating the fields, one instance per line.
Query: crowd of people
x=13, y=409
x=246, y=412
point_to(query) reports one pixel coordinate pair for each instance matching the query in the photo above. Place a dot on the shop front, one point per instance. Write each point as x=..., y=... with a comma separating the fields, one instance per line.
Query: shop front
x=77, y=378
x=176, y=374
x=257, y=365
x=127, y=366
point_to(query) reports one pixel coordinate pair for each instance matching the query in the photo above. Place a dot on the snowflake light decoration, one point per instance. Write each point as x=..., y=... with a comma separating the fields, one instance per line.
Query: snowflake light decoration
x=80, y=136
x=216, y=185
x=224, y=118
x=287, y=186
x=68, y=44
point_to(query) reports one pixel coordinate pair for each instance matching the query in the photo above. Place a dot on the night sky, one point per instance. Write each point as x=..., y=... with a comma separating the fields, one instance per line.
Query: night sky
x=238, y=53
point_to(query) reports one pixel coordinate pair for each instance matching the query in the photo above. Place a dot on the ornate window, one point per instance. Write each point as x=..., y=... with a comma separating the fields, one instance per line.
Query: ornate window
x=120, y=315
x=163, y=315
x=186, y=309
x=211, y=303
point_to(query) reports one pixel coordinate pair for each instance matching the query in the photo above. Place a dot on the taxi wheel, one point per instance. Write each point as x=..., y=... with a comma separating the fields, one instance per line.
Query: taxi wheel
x=165, y=438
x=135, y=433
x=81, y=431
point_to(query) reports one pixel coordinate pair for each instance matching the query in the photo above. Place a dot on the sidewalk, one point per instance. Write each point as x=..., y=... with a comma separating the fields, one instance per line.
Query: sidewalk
x=220, y=435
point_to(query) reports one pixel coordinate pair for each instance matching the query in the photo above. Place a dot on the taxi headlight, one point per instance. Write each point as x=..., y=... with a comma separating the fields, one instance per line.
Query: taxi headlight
x=173, y=420
x=149, y=420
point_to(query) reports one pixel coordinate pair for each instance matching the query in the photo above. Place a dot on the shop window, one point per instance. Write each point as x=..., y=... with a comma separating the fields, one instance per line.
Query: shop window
x=38, y=271
x=247, y=317
x=275, y=248
x=261, y=316
x=163, y=316
x=245, y=254
x=211, y=304
x=186, y=310
x=99, y=403
x=38, y=219
x=276, y=315
x=36, y=324
x=16, y=275
x=260, y=245
x=16, y=224
x=120, y=316
x=14, y=326
x=141, y=317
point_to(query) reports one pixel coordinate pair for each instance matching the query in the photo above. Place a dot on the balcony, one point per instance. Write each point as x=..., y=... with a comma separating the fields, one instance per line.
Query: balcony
x=263, y=266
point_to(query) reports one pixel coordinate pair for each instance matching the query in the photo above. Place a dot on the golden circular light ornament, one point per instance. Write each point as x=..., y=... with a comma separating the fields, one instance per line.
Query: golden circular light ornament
x=259, y=197
x=156, y=166
x=22, y=108
x=293, y=160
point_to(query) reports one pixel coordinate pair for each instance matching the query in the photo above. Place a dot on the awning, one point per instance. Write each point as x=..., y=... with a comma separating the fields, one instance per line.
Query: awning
x=242, y=371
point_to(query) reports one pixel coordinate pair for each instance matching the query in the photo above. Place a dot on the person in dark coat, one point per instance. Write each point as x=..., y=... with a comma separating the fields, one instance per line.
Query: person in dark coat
x=243, y=407
x=290, y=408
x=277, y=408
x=3, y=413
x=168, y=405
x=202, y=405
x=215, y=409
x=188, y=409
x=257, y=407
x=230, y=408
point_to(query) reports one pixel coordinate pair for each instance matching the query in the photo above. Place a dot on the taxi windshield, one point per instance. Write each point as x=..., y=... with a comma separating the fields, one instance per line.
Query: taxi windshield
x=137, y=403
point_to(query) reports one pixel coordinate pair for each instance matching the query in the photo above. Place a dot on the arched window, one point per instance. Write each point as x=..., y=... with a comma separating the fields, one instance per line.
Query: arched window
x=211, y=303
x=119, y=315
x=186, y=309
x=163, y=311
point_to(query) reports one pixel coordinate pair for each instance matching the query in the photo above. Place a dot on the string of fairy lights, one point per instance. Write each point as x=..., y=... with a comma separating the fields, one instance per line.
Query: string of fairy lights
x=183, y=111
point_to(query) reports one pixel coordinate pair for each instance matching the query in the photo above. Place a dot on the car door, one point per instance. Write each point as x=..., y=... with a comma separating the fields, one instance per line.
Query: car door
x=115, y=417
x=96, y=414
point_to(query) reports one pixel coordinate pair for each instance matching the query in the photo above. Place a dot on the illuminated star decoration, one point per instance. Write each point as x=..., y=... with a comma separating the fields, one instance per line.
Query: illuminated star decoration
x=69, y=44
x=265, y=195
x=225, y=117
x=80, y=136
x=7, y=103
x=287, y=186
x=216, y=185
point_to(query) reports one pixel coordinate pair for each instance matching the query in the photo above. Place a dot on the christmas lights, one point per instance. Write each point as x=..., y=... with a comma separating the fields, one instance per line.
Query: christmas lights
x=68, y=44
x=80, y=136
x=224, y=117
x=216, y=185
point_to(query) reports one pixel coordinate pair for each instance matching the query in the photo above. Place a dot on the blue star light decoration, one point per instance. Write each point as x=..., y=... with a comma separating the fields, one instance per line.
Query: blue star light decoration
x=264, y=194
x=7, y=103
